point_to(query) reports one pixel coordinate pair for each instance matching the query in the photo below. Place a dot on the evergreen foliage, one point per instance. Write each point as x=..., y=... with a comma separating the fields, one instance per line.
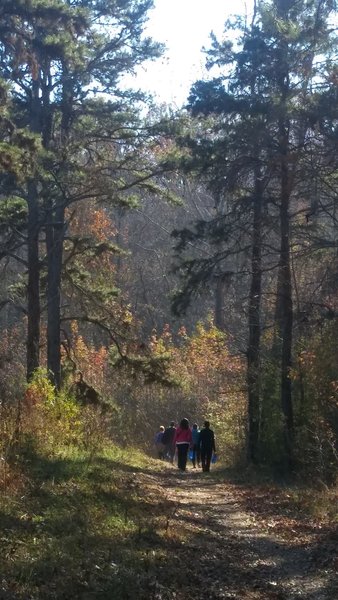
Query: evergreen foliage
x=65, y=62
x=253, y=141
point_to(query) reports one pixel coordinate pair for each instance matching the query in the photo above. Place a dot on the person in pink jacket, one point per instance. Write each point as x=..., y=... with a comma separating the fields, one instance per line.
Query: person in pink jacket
x=182, y=441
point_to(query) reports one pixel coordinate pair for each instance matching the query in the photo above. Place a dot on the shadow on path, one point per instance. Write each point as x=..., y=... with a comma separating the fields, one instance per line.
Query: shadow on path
x=228, y=554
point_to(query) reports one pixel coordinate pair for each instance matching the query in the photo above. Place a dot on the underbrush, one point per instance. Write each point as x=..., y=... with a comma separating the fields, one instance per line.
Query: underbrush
x=318, y=504
x=81, y=518
x=73, y=521
x=313, y=500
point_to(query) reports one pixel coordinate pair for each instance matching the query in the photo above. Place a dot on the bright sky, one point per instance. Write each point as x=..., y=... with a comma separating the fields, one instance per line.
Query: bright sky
x=184, y=26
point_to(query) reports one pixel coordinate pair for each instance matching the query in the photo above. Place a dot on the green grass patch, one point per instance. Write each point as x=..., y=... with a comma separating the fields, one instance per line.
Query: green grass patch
x=81, y=528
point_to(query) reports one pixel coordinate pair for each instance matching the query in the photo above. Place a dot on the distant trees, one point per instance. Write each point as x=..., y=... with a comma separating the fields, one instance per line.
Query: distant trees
x=146, y=272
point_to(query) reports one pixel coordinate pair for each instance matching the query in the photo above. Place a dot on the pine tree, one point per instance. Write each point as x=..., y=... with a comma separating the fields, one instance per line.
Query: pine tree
x=252, y=147
x=65, y=61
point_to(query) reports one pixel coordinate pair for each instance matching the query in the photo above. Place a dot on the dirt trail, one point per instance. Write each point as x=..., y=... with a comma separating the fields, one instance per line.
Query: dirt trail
x=235, y=548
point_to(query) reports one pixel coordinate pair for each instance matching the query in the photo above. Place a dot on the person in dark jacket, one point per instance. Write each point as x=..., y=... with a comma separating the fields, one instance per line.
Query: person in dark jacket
x=183, y=441
x=168, y=441
x=207, y=445
x=196, y=454
x=160, y=447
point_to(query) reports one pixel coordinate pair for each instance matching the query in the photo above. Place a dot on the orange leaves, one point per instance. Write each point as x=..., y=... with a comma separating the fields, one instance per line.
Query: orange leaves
x=87, y=218
x=31, y=397
x=100, y=357
x=101, y=225
x=306, y=358
x=93, y=225
x=91, y=361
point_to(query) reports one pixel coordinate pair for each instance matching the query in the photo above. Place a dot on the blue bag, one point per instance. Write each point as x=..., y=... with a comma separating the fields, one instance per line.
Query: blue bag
x=191, y=454
x=214, y=458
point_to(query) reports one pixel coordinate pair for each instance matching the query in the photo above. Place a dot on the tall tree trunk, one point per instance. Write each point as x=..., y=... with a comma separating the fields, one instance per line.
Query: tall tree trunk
x=253, y=352
x=284, y=293
x=54, y=240
x=33, y=286
x=219, y=301
x=55, y=237
x=286, y=327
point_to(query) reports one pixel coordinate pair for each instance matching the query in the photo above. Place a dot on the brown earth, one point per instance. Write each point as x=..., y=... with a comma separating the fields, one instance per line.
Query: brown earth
x=227, y=540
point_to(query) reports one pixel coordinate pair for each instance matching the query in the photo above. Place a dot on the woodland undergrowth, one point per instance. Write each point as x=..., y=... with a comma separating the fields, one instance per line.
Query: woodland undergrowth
x=82, y=512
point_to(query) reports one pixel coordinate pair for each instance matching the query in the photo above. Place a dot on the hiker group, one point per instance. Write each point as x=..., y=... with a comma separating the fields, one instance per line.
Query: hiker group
x=182, y=441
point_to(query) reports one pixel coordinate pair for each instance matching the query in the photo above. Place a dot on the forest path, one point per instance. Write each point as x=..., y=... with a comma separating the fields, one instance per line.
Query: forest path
x=235, y=541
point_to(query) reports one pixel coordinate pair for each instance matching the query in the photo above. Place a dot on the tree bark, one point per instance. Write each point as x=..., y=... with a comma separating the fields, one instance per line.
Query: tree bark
x=219, y=302
x=284, y=290
x=253, y=352
x=284, y=293
x=54, y=240
x=33, y=286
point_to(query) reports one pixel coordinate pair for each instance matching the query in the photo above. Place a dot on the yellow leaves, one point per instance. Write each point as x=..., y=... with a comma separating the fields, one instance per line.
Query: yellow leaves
x=128, y=317
x=334, y=386
x=163, y=343
x=74, y=328
x=93, y=362
x=102, y=225
x=40, y=390
x=200, y=358
x=80, y=347
x=206, y=351
x=182, y=332
x=306, y=358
